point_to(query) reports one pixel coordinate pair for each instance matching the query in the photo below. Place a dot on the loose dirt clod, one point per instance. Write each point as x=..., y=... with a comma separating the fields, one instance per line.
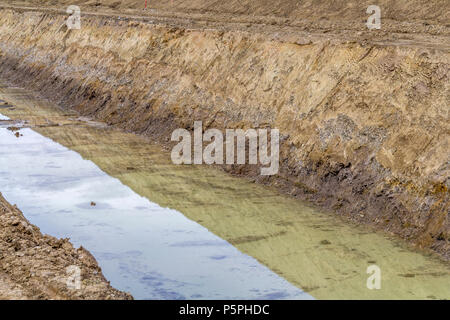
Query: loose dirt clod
x=13, y=129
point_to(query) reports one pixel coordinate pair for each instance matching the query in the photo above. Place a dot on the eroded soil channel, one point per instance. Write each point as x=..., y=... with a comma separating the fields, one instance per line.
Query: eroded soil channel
x=162, y=231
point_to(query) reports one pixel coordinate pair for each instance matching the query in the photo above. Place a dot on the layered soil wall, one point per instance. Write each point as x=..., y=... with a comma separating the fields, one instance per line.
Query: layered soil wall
x=364, y=127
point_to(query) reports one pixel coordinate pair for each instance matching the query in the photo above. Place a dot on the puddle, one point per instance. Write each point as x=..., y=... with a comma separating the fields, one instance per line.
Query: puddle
x=219, y=234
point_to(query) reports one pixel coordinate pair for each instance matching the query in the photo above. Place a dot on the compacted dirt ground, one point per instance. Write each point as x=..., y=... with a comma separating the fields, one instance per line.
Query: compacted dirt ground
x=409, y=23
x=35, y=266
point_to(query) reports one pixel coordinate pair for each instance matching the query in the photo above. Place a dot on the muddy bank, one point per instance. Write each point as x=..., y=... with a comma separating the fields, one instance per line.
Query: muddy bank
x=364, y=127
x=33, y=265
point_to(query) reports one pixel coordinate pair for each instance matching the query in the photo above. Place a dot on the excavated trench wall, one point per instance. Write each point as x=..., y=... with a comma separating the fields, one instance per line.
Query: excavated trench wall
x=364, y=129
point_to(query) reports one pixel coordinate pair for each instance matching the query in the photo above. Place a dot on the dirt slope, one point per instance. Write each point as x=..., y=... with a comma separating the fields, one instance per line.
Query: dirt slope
x=33, y=265
x=365, y=125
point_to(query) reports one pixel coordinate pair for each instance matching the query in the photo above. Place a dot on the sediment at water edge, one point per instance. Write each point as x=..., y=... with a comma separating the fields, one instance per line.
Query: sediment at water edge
x=34, y=266
x=364, y=125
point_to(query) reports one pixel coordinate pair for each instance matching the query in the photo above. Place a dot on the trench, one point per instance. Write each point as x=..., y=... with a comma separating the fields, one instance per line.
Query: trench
x=164, y=231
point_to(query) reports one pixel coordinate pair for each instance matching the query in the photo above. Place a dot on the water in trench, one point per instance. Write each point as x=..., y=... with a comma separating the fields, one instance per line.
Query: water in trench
x=162, y=253
x=147, y=250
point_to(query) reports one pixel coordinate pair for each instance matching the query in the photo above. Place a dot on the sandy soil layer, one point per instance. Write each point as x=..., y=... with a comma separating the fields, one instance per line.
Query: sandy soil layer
x=34, y=266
